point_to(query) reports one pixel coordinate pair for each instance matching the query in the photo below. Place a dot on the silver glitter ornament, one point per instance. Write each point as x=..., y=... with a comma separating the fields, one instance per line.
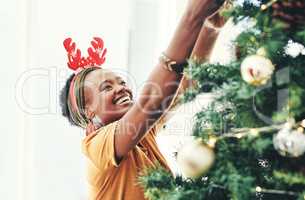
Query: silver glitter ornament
x=289, y=142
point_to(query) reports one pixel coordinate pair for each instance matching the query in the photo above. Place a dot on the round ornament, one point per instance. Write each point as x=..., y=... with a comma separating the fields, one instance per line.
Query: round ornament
x=195, y=159
x=256, y=70
x=289, y=142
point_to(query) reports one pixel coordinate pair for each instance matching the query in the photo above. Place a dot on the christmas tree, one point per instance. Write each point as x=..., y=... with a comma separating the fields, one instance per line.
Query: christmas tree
x=250, y=140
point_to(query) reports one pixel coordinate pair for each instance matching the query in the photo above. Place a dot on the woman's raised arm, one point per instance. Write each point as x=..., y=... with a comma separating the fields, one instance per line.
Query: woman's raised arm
x=201, y=53
x=162, y=84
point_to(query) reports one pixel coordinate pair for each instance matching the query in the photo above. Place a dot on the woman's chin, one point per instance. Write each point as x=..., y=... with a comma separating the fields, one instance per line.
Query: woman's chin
x=121, y=109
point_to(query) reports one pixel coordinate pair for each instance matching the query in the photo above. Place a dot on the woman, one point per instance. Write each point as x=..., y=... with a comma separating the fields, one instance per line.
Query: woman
x=120, y=139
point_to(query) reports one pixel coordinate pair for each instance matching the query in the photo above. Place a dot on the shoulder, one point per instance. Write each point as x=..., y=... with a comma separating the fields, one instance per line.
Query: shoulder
x=99, y=135
x=99, y=146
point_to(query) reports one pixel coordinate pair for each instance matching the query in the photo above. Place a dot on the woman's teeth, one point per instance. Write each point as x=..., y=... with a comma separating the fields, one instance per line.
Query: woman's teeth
x=123, y=100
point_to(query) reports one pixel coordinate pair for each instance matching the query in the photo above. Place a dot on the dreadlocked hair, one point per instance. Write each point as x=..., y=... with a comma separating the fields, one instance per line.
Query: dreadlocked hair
x=64, y=96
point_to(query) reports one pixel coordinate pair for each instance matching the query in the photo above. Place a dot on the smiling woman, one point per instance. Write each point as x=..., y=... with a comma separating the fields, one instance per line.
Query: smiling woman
x=101, y=101
x=120, y=140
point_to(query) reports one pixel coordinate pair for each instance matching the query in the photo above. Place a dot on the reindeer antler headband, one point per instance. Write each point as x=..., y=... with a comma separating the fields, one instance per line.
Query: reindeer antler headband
x=96, y=54
x=77, y=62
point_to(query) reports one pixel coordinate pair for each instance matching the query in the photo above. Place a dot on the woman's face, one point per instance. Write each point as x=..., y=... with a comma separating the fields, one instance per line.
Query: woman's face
x=106, y=95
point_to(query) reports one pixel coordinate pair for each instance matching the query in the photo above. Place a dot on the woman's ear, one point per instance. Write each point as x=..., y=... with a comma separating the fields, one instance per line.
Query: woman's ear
x=89, y=113
x=91, y=125
x=90, y=128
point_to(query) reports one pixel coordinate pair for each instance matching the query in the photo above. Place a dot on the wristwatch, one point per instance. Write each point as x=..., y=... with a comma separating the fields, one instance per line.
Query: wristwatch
x=172, y=65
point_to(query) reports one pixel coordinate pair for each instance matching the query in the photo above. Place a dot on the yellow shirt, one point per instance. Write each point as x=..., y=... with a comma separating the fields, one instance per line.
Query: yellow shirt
x=111, y=181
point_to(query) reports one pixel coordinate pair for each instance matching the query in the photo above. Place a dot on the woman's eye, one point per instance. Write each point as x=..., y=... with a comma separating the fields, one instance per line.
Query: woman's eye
x=107, y=87
x=123, y=83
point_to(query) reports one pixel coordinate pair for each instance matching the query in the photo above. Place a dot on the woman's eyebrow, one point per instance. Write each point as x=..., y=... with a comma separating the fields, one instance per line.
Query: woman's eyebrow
x=118, y=78
x=103, y=82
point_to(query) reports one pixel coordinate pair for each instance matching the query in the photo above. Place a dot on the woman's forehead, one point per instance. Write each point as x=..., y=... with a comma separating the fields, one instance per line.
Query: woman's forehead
x=99, y=75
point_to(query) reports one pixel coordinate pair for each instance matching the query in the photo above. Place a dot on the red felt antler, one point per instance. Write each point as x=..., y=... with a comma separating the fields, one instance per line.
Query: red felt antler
x=96, y=54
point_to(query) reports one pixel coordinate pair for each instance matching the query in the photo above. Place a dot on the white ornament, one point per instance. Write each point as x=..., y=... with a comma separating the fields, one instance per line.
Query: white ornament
x=195, y=159
x=294, y=49
x=256, y=70
x=224, y=50
x=289, y=142
x=256, y=3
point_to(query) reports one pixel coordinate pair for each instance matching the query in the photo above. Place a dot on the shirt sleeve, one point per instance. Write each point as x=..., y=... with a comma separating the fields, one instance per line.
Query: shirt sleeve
x=99, y=147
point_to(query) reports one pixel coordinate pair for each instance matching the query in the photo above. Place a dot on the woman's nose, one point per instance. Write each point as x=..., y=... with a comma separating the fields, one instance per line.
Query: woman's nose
x=120, y=88
x=123, y=89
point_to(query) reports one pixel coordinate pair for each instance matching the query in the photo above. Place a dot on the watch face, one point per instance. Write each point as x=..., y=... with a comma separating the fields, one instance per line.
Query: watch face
x=178, y=68
x=172, y=65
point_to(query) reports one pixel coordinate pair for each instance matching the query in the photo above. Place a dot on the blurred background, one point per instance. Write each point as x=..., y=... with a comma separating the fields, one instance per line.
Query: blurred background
x=40, y=154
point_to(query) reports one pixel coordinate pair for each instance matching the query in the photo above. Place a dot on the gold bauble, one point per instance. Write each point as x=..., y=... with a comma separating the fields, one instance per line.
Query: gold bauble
x=256, y=70
x=195, y=159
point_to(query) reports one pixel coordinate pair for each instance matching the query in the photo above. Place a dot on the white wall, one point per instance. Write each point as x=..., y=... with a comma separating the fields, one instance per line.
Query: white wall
x=152, y=24
x=11, y=118
x=53, y=166
x=40, y=156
